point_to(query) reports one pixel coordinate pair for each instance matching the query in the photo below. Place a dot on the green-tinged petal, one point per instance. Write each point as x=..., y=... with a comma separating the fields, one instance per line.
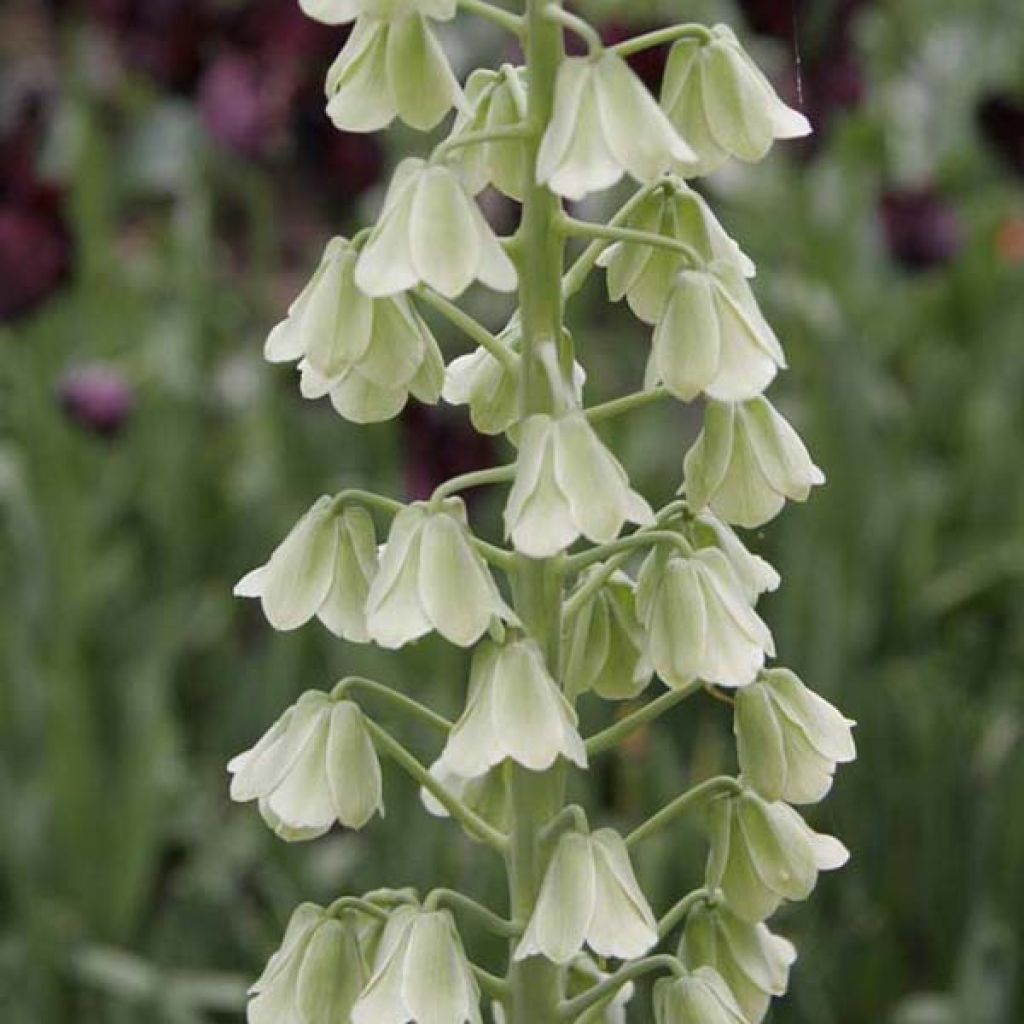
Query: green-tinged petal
x=303, y=920
x=385, y=264
x=687, y=347
x=573, y=79
x=760, y=747
x=734, y=101
x=587, y=645
x=395, y=615
x=780, y=851
x=358, y=400
x=707, y=462
x=359, y=98
x=331, y=976
x=438, y=987
x=353, y=771
x=778, y=450
x=623, y=924
x=826, y=728
x=626, y=261
x=343, y=611
x=302, y=800
x=420, y=79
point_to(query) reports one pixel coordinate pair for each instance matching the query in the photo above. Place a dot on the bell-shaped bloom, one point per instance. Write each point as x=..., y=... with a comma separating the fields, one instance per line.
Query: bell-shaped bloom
x=746, y=462
x=323, y=568
x=604, y=644
x=644, y=274
x=717, y=97
x=605, y=124
x=514, y=711
x=367, y=354
x=701, y=997
x=431, y=231
x=756, y=576
x=486, y=795
x=432, y=578
x=712, y=338
x=567, y=484
x=763, y=853
x=496, y=101
x=315, y=766
x=338, y=12
x=699, y=624
x=789, y=739
x=316, y=975
x=750, y=959
x=589, y=896
x=387, y=69
x=420, y=975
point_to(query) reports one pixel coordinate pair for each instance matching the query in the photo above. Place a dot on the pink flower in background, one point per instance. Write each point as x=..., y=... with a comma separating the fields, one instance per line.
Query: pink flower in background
x=97, y=398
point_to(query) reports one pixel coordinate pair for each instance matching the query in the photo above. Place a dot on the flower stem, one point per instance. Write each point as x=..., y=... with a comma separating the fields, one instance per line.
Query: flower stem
x=360, y=905
x=453, y=900
x=505, y=19
x=478, y=478
x=575, y=228
x=641, y=539
x=505, y=133
x=626, y=404
x=574, y=23
x=611, y=737
x=473, y=330
x=720, y=785
x=353, y=495
x=659, y=37
x=573, y=1008
x=394, y=698
x=681, y=910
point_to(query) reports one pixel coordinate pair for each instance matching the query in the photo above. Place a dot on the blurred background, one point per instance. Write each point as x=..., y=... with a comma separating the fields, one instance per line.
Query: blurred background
x=167, y=182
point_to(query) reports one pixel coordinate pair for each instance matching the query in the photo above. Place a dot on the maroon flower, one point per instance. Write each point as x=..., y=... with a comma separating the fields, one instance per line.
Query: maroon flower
x=35, y=255
x=1001, y=118
x=439, y=445
x=97, y=398
x=921, y=229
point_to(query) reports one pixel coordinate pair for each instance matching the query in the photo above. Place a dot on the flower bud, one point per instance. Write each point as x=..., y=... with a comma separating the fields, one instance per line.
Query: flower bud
x=717, y=97
x=486, y=795
x=367, y=354
x=431, y=578
x=314, y=766
x=753, y=962
x=420, y=975
x=337, y=12
x=514, y=711
x=756, y=576
x=644, y=274
x=789, y=739
x=431, y=231
x=698, y=622
x=315, y=976
x=712, y=338
x=387, y=69
x=323, y=568
x=605, y=646
x=589, y=895
x=605, y=124
x=698, y=998
x=567, y=484
x=496, y=101
x=763, y=853
x=746, y=462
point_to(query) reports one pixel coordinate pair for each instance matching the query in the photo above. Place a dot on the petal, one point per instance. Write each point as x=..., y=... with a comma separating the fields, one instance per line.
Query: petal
x=359, y=97
x=444, y=240
x=707, y=462
x=825, y=726
x=779, y=452
x=303, y=799
x=331, y=976
x=344, y=609
x=623, y=924
x=353, y=771
x=420, y=79
x=573, y=77
x=437, y=987
x=385, y=265
x=394, y=613
x=780, y=849
x=687, y=346
x=735, y=102
x=759, y=742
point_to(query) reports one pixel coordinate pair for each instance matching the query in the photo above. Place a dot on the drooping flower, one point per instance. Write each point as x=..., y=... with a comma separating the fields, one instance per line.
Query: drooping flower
x=605, y=648
x=605, y=124
x=514, y=711
x=763, y=853
x=752, y=961
x=589, y=896
x=431, y=577
x=315, y=766
x=496, y=100
x=756, y=576
x=712, y=338
x=421, y=974
x=701, y=997
x=315, y=976
x=699, y=624
x=746, y=462
x=789, y=739
x=337, y=12
x=323, y=568
x=567, y=484
x=721, y=102
x=644, y=274
x=391, y=68
x=431, y=231
x=486, y=795
x=367, y=354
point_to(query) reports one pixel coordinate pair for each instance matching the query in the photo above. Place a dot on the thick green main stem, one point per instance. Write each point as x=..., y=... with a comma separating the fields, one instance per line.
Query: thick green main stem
x=534, y=985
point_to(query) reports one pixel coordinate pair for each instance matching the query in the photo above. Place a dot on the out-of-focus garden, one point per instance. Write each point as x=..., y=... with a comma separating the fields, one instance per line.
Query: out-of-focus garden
x=167, y=182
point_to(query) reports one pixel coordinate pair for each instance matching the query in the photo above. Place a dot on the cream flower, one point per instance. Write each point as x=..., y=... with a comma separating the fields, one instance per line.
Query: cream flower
x=337, y=12
x=698, y=998
x=756, y=576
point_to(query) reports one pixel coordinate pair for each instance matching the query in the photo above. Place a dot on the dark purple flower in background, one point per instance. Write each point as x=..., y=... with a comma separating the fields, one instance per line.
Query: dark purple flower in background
x=648, y=64
x=438, y=444
x=922, y=230
x=97, y=398
x=1001, y=118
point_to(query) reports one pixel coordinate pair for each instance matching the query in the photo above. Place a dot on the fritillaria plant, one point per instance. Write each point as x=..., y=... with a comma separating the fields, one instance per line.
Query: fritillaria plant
x=591, y=594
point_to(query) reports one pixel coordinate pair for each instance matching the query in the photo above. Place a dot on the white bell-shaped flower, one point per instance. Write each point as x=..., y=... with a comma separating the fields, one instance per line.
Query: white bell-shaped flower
x=645, y=274
x=367, y=354
x=756, y=576
x=388, y=68
x=605, y=124
x=431, y=231
x=604, y=644
x=315, y=976
x=496, y=100
x=568, y=484
x=789, y=739
x=315, y=766
x=699, y=624
x=323, y=568
x=701, y=997
x=719, y=99
x=486, y=795
x=338, y=12
x=420, y=975
x=712, y=338
x=763, y=853
x=432, y=578
x=589, y=896
x=750, y=959
x=746, y=462
x=514, y=711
